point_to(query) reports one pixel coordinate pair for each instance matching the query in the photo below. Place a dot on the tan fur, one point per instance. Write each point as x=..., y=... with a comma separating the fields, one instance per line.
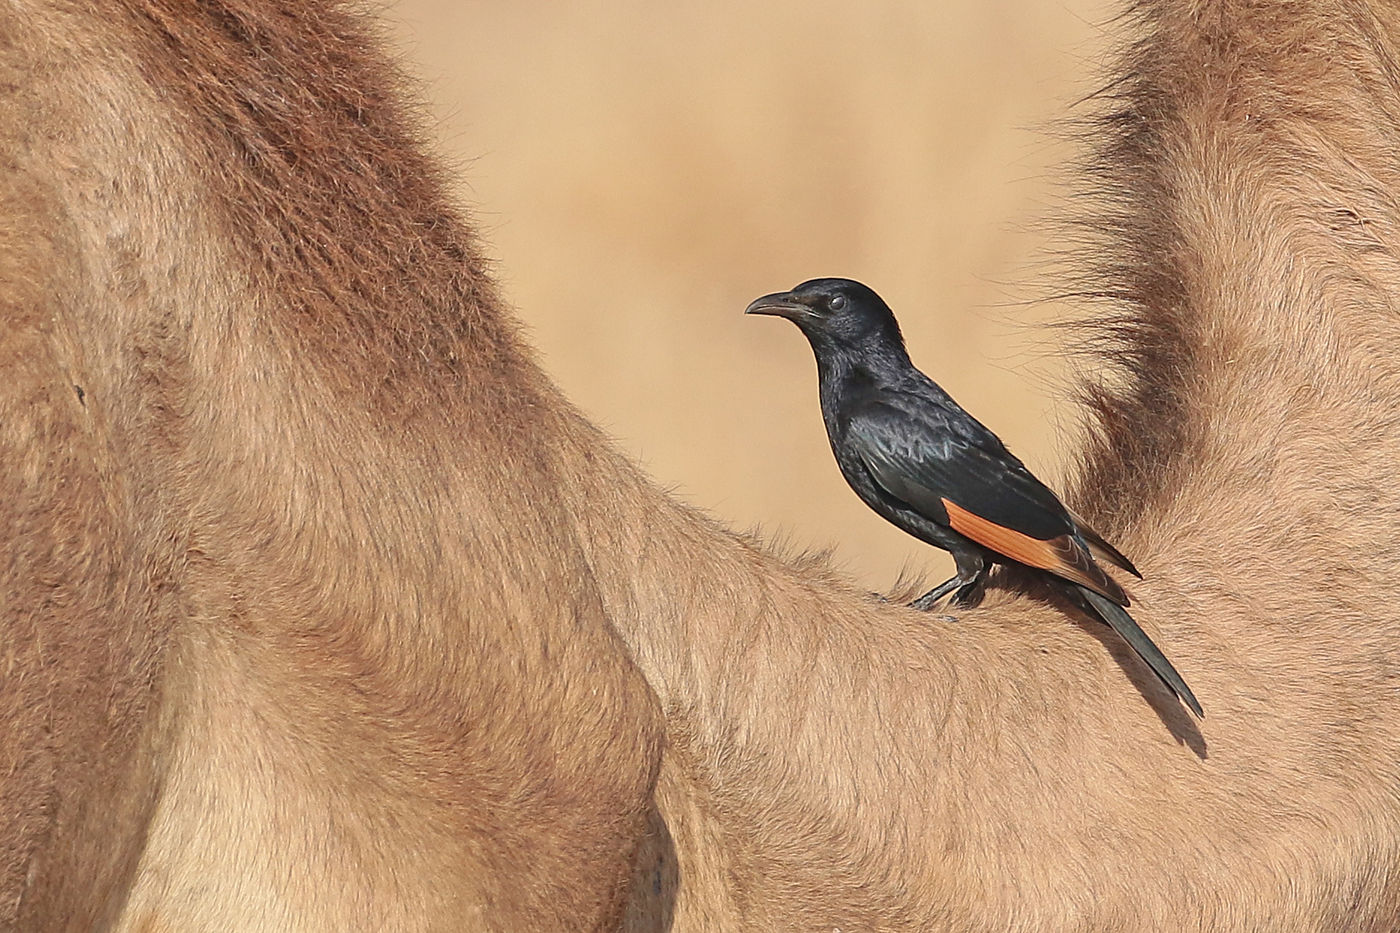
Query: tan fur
x=277, y=654
x=322, y=610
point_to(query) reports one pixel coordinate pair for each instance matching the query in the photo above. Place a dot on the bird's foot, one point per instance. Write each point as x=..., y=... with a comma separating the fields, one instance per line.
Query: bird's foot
x=924, y=605
x=968, y=597
x=967, y=592
x=926, y=602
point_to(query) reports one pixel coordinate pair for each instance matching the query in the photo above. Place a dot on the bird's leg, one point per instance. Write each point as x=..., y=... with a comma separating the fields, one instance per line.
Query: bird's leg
x=972, y=574
x=926, y=601
x=972, y=568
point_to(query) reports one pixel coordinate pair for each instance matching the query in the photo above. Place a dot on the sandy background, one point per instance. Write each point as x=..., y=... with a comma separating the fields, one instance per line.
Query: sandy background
x=643, y=170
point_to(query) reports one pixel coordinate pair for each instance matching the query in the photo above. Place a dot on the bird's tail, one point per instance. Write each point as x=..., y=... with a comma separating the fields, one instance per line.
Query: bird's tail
x=1118, y=619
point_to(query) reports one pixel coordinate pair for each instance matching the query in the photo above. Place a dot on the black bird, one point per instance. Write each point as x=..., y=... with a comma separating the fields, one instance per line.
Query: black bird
x=925, y=465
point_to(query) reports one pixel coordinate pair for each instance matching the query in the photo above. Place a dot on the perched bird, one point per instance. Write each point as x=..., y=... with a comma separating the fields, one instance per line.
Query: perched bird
x=925, y=465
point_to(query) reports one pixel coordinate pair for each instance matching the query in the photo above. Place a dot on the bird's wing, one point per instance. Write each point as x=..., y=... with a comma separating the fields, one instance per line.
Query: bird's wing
x=979, y=490
x=1101, y=548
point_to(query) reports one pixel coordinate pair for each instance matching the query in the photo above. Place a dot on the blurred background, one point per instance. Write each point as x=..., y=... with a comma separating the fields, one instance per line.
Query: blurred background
x=642, y=170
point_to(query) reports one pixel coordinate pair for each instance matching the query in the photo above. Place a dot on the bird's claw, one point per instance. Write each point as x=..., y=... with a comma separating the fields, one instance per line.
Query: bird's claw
x=923, y=606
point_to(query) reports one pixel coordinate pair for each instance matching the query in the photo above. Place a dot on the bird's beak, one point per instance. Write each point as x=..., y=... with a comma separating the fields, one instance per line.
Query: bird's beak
x=781, y=304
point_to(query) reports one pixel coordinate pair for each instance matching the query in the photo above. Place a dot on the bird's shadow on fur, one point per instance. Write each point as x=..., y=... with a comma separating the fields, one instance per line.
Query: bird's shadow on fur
x=656, y=881
x=1173, y=714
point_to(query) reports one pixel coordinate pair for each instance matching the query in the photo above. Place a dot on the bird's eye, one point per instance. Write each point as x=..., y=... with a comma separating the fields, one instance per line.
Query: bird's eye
x=837, y=302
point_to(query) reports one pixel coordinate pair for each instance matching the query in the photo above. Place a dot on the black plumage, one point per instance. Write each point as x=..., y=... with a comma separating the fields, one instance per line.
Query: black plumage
x=924, y=464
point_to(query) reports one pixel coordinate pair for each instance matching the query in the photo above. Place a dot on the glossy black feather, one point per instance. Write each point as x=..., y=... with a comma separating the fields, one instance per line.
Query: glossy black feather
x=919, y=453
x=1118, y=619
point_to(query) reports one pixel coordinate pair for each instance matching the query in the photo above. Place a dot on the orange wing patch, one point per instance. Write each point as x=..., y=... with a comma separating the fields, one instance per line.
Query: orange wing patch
x=1061, y=556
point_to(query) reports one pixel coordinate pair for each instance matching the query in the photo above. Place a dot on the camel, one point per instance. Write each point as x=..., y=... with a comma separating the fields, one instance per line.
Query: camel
x=324, y=610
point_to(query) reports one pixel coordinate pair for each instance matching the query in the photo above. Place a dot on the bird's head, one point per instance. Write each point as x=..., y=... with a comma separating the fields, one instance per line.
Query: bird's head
x=836, y=314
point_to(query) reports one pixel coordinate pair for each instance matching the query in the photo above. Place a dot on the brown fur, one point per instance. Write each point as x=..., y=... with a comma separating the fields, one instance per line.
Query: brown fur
x=276, y=652
x=323, y=610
